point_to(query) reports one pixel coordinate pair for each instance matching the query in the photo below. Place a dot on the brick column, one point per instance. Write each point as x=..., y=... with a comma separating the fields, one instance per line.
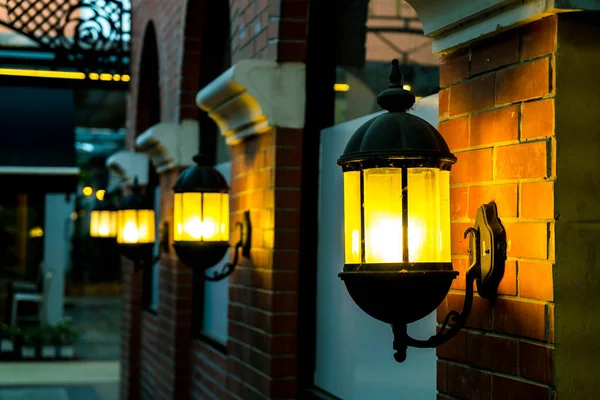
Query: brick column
x=130, y=331
x=497, y=114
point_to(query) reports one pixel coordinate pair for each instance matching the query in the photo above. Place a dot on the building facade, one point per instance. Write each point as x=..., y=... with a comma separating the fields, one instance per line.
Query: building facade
x=251, y=84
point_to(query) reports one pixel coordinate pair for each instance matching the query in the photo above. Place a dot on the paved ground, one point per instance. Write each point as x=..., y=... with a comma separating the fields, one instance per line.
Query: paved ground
x=99, y=318
x=96, y=392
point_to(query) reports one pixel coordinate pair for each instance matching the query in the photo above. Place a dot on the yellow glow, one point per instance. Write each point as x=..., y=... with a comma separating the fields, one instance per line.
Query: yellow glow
x=36, y=232
x=135, y=226
x=406, y=87
x=105, y=77
x=125, y=78
x=116, y=77
x=341, y=87
x=87, y=191
x=74, y=216
x=100, y=194
x=94, y=76
x=201, y=217
x=103, y=223
x=37, y=73
x=428, y=215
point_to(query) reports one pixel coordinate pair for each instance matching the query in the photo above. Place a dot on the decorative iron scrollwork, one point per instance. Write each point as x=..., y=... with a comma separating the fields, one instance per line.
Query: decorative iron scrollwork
x=89, y=35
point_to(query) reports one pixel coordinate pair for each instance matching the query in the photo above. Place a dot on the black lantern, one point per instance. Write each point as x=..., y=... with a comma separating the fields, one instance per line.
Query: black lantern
x=135, y=226
x=201, y=231
x=397, y=223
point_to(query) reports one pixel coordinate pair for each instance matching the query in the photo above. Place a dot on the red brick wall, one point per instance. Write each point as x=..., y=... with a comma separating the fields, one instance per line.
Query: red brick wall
x=261, y=360
x=497, y=115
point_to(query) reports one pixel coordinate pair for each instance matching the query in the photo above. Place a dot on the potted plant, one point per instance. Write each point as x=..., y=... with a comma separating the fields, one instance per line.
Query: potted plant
x=67, y=336
x=29, y=341
x=47, y=341
x=8, y=337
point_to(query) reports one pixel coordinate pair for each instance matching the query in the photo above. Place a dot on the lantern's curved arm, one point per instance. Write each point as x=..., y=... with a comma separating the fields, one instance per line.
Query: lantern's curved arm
x=228, y=268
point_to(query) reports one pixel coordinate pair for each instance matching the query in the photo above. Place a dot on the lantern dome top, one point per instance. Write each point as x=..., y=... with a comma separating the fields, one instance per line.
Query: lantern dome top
x=396, y=138
x=201, y=178
x=135, y=200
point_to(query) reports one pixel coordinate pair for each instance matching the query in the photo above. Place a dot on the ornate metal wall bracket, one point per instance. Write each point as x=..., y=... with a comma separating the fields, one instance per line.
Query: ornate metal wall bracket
x=87, y=35
x=487, y=255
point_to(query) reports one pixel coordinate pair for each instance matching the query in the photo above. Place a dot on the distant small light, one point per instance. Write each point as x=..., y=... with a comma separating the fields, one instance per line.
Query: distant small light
x=105, y=77
x=116, y=77
x=36, y=232
x=406, y=87
x=125, y=78
x=74, y=216
x=341, y=87
x=100, y=194
x=87, y=191
x=94, y=76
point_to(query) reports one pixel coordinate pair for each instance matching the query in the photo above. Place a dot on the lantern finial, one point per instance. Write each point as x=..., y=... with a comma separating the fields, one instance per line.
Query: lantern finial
x=395, y=75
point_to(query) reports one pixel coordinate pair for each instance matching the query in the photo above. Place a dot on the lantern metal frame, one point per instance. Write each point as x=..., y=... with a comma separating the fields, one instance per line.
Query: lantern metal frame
x=204, y=178
x=404, y=292
x=141, y=253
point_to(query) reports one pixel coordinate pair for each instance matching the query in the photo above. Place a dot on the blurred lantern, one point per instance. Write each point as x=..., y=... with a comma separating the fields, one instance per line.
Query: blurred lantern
x=103, y=220
x=135, y=226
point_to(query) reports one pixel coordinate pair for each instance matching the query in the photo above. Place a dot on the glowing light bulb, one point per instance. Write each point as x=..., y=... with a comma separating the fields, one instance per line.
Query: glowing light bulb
x=130, y=232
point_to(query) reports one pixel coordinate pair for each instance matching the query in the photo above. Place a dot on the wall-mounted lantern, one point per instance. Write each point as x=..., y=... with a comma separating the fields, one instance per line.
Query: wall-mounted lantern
x=103, y=220
x=135, y=227
x=201, y=208
x=398, y=265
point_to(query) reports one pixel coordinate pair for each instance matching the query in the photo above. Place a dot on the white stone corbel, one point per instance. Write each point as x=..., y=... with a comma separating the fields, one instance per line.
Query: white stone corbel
x=456, y=23
x=254, y=95
x=128, y=165
x=170, y=145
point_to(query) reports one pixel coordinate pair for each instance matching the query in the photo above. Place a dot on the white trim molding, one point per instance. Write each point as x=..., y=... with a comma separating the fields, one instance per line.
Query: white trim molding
x=456, y=23
x=253, y=96
x=170, y=145
x=26, y=170
x=129, y=165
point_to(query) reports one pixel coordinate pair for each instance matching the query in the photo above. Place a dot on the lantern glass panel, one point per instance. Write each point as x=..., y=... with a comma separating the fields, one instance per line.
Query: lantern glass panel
x=201, y=217
x=383, y=215
x=136, y=226
x=428, y=215
x=103, y=223
x=352, y=207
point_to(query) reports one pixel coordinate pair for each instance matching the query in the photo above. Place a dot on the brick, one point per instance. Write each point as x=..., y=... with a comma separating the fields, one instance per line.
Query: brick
x=537, y=200
x=506, y=388
x=444, y=104
x=527, y=239
x=455, y=349
x=535, y=281
x=481, y=312
x=536, y=362
x=442, y=375
x=501, y=125
x=508, y=285
x=294, y=9
x=539, y=38
x=523, y=82
x=459, y=202
x=472, y=166
x=495, y=53
x=472, y=96
x=455, y=133
x=460, y=265
x=454, y=68
x=522, y=161
x=537, y=119
x=520, y=318
x=492, y=352
x=505, y=197
x=467, y=383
